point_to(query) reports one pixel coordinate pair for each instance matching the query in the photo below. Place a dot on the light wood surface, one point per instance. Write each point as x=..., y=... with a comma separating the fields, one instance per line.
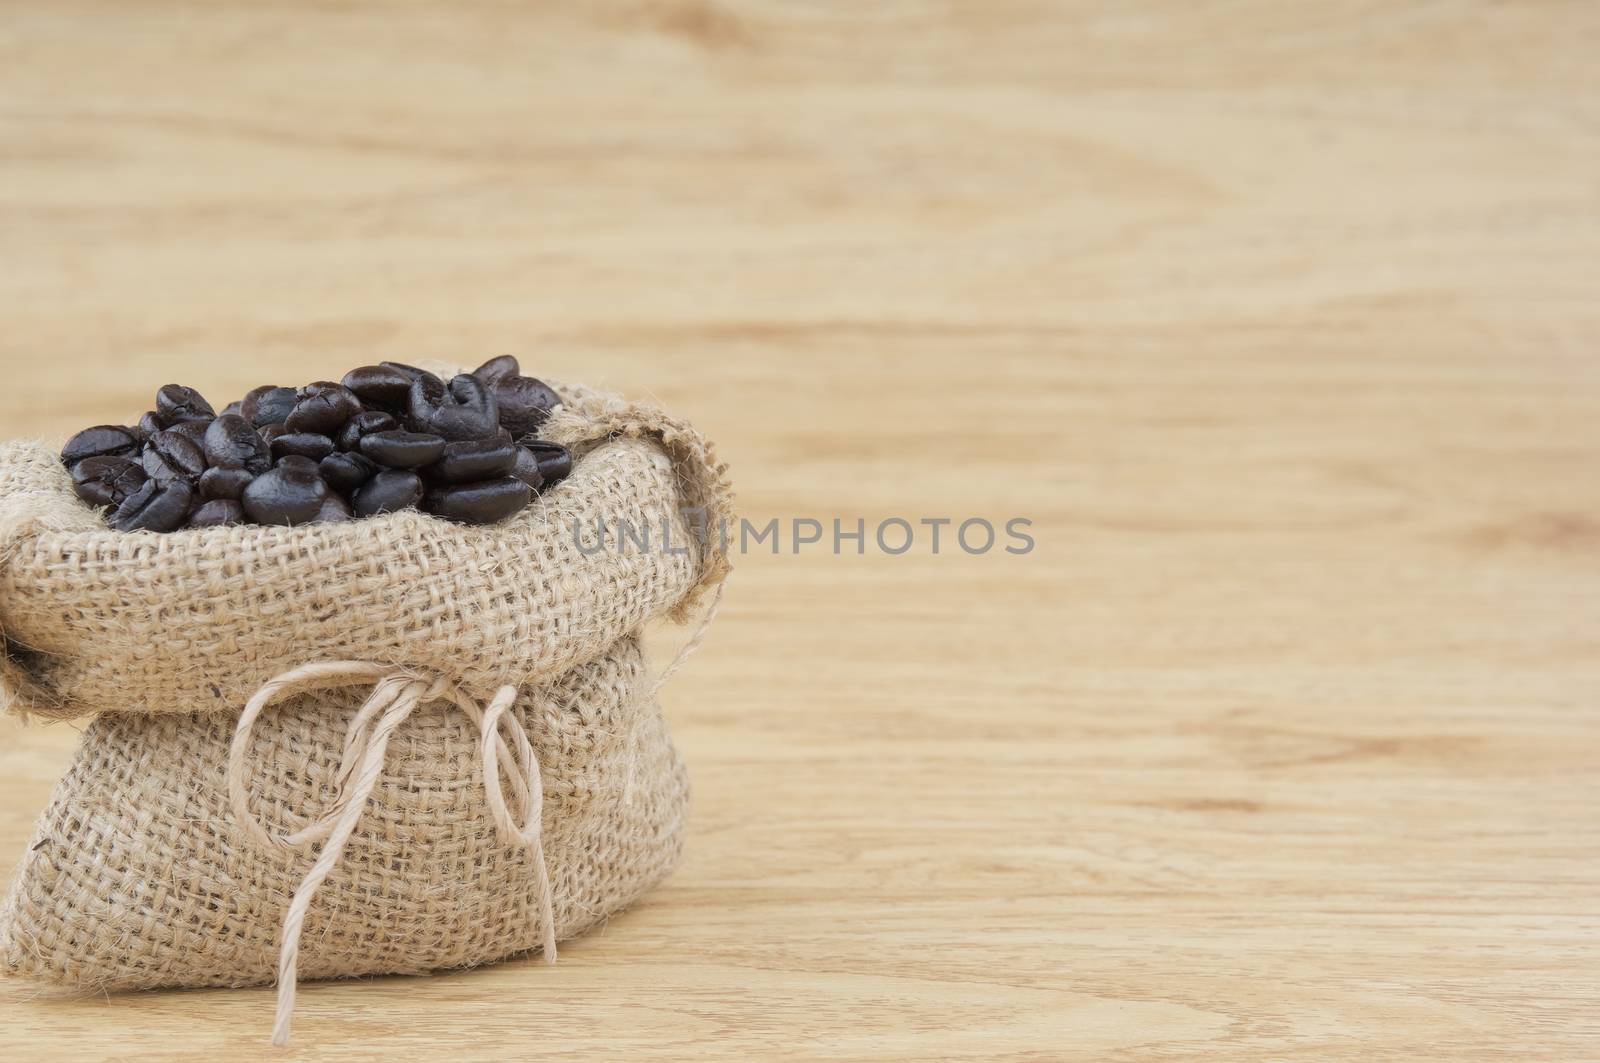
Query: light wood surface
x=1278, y=320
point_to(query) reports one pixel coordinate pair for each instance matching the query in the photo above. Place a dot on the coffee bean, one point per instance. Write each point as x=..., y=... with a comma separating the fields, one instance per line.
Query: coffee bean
x=231, y=443
x=193, y=431
x=218, y=513
x=381, y=385
x=524, y=404
x=176, y=403
x=267, y=405
x=496, y=369
x=484, y=502
x=555, y=460
x=474, y=459
x=171, y=455
x=322, y=408
x=335, y=510
x=300, y=463
x=269, y=432
x=402, y=450
x=526, y=468
x=107, y=479
x=346, y=472
x=411, y=372
x=388, y=492
x=233, y=407
x=308, y=444
x=363, y=424
x=224, y=483
x=158, y=506
x=464, y=410
x=288, y=495
x=149, y=424
x=99, y=441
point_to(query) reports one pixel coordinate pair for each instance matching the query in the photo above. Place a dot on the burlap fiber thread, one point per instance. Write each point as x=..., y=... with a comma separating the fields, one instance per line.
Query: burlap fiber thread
x=139, y=874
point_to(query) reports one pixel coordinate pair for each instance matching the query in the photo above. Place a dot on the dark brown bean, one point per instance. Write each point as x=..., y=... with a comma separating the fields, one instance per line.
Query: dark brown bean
x=149, y=424
x=269, y=432
x=484, y=502
x=464, y=410
x=224, y=483
x=402, y=450
x=524, y=404
x=526, y=468
x=176, y=403
x=384, y=385
x=233, y=407
x=158, y=506
x=364, y=424
x=171, y=455
x=194, y=431
x=107, y=479
x=474, y=459
x=308, y=444
x=496, y=369
x=323, y=407
x=231, y=443
x=555, y=460
x=267, y=405
x=335, y=510
x=346, y=472
x=299, y=462
x=289, y=494
x=411, y=371
x=388, y=492
x=99, y=441
x=217, y=513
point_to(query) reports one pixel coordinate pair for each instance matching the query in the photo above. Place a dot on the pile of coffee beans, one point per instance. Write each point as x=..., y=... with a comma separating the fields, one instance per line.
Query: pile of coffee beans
x=388, y=437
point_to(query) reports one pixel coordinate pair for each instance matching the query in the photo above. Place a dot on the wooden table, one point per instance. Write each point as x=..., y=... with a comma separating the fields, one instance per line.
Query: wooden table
x=1278, y=322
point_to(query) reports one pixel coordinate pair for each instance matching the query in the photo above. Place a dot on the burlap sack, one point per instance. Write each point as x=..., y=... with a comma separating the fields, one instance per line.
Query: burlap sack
x=442, y=840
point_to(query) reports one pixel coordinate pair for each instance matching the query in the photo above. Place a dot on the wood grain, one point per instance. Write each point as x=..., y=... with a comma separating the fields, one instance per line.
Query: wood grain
x=1278, y=321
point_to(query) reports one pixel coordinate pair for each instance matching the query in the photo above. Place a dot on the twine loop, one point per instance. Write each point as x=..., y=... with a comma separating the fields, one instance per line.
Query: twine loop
x=396, y=693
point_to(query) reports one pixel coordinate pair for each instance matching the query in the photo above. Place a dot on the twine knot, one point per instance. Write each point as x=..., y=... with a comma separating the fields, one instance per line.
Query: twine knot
x=396, y=693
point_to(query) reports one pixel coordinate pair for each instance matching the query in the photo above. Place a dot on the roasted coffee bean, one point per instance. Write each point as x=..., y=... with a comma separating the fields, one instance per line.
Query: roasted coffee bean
x=171, y=455
x=176, y=403
x=289, y=494
x=323, y=408
x=267, y=405
x=269, y=432
x=474, y=459
x=308, y=444
x=101, y=440
x=231, y=443
x=149, y=424
x=384, y=385
x=218, y=513
x=233, y=407
x=402, y=450
x=335, y=510
x=158, y=506
x=363, y=424
x=224, y=483
x=346, y=472
x=411, y=371
x=388, y=492
x=524, y=404
x=193, y=431
x=555, y=460
x=484, y=502
x=464, y=410
x=526, y=468
x=496, y=369
x=300, y=463
x=107, y=479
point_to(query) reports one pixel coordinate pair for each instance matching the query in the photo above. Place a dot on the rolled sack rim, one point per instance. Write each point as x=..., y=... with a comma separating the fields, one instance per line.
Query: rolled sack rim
x=57, y=520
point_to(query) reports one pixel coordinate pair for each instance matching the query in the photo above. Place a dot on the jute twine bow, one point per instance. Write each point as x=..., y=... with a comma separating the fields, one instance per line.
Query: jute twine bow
x=395, y=695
